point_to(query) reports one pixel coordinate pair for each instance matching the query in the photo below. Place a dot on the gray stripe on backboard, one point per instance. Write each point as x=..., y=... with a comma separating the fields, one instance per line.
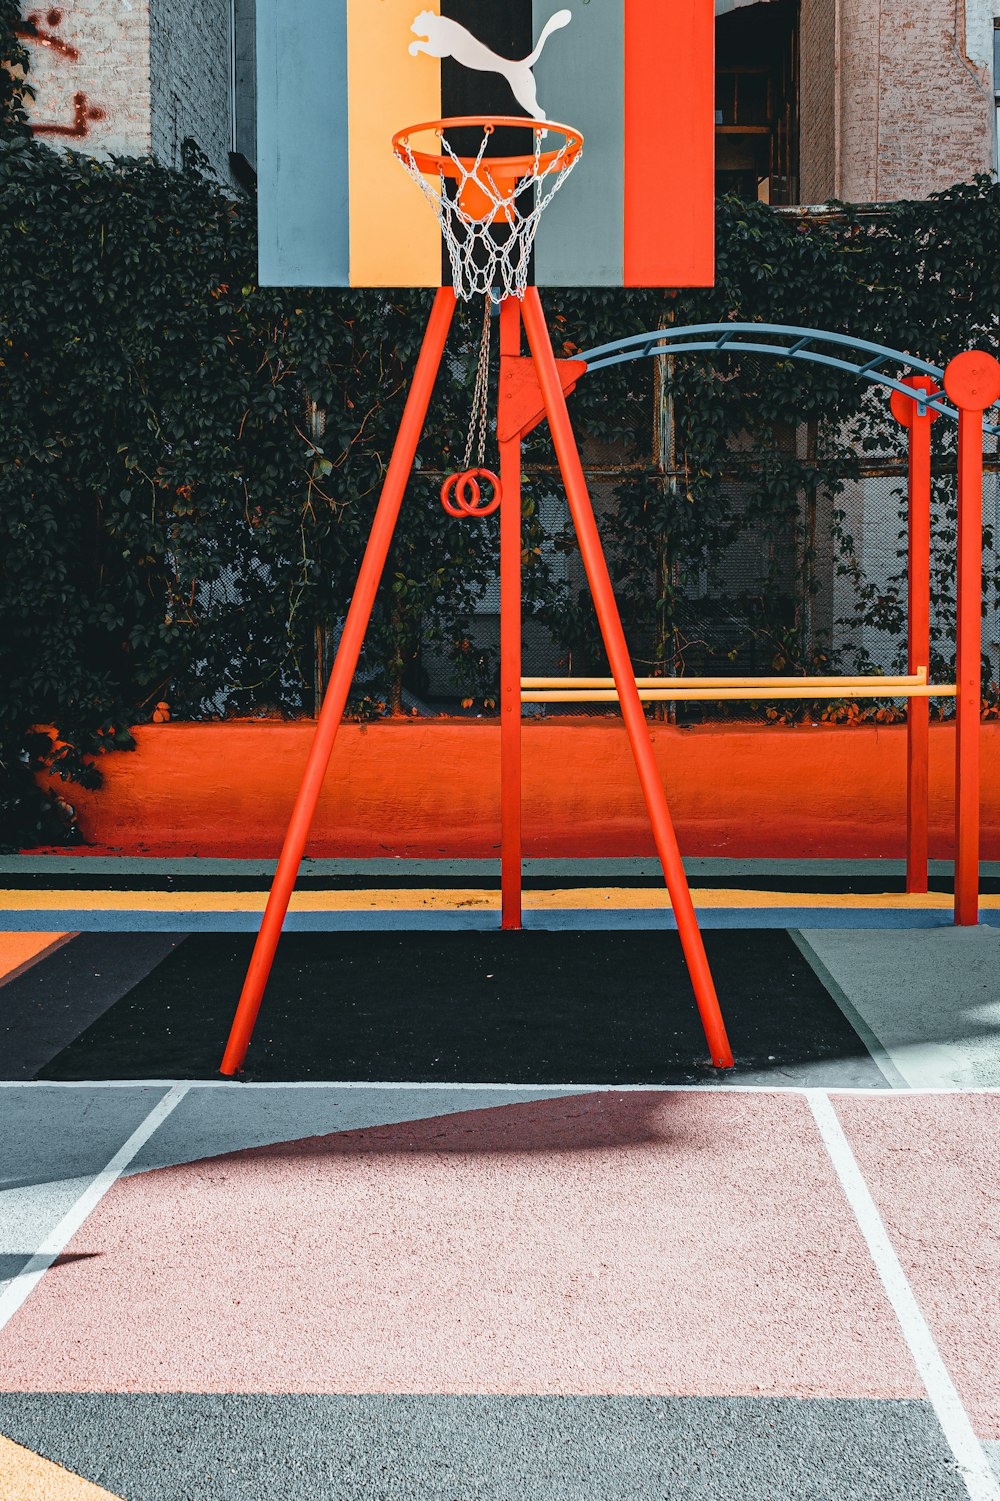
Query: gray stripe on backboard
x=302, y=144
x=581, y=82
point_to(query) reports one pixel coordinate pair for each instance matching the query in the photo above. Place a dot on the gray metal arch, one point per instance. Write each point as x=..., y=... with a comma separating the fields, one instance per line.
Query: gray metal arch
x=731, y=338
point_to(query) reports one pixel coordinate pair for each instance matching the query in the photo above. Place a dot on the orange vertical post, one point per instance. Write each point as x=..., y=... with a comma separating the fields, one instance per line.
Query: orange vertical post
x=510, y=641
x=972, y=381
x=335, y=698
x=917, y=422
x=613, y=636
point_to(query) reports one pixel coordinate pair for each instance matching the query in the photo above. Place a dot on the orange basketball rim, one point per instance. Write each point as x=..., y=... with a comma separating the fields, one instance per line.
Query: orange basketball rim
x=487, y=184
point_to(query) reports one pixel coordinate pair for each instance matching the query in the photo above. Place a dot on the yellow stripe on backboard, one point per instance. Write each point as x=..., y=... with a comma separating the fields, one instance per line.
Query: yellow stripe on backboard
x=395, y=238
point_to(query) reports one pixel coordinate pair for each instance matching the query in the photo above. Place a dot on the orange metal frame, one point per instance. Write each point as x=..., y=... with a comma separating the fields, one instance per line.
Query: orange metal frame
x=972, y=382
x=536, y=387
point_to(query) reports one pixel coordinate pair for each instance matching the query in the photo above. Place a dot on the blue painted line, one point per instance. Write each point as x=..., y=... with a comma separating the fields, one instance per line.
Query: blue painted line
x=401, y=921
x=745, y=917
x=90, y=921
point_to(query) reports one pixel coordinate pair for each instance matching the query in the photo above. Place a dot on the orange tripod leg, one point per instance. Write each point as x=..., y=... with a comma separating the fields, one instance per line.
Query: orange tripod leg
x=510, y=644
x=918, y=428
x=918, y=709
x=341, y=678
x=621, y=667
x=972, y=381
x=968, y=669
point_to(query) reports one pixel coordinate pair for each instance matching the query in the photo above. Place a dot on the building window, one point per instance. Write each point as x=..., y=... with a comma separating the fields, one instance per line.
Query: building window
x=756, y=102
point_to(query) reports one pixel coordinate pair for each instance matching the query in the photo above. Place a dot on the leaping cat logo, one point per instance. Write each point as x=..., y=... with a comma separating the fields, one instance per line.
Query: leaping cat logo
x=439, y=36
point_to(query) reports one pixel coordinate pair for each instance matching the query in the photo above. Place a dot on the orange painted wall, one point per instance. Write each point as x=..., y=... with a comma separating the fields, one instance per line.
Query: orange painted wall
x=431, y=788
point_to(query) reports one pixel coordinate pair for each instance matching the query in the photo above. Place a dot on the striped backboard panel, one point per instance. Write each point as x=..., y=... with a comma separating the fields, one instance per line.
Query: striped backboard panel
x=336, y=79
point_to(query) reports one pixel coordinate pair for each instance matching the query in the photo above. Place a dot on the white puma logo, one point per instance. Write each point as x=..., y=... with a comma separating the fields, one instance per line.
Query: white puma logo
x=439, y=36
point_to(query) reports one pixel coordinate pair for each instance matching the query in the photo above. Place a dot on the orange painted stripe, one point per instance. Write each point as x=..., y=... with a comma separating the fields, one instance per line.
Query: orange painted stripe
x=395, y=238
x=19, y=951
x=669, y=219
x=26, y=1476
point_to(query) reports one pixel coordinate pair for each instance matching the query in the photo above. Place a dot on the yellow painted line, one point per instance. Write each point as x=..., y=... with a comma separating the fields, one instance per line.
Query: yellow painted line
x=241, y=901
x=26, y=1476
x=453, y=898
x=720, y=897
x=19, y=951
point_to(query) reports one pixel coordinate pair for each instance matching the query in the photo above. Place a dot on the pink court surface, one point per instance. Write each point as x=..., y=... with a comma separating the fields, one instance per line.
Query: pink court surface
x=771, y=1284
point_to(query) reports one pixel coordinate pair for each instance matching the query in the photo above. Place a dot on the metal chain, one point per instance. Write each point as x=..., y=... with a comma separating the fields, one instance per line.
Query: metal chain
x=480, y=397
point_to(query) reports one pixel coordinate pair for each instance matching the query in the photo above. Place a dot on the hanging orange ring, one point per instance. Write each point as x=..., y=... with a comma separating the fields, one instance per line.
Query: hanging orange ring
x=461, y=494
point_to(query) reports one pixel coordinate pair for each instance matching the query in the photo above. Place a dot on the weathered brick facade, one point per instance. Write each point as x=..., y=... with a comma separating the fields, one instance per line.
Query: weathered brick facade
x=133, y=76
x=896, y=98
x=90, y=72
x=819, y=121
x=190, y=63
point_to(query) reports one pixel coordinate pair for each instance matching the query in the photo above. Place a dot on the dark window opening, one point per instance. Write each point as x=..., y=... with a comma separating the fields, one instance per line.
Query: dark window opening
x=756, y=102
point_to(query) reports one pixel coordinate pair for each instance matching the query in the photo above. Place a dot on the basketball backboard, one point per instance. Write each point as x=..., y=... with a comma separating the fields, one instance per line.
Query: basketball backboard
x=337, y=78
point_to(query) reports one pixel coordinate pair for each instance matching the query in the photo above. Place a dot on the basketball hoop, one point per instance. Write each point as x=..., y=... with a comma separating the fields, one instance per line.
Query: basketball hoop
x=488, y=206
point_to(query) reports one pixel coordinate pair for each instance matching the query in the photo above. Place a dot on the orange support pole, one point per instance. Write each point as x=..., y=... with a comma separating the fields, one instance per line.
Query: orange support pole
x=972, y=381
x=510, y=637
x=335, y=698
x=621, y=667
x=918, y=425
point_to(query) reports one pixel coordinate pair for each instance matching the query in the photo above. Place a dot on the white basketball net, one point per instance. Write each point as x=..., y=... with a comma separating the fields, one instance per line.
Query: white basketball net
x=488, y=257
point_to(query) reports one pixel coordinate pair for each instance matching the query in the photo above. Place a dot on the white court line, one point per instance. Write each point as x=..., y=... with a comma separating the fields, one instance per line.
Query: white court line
x=24, y=1284
x=237, y=1085
x=974, y=1467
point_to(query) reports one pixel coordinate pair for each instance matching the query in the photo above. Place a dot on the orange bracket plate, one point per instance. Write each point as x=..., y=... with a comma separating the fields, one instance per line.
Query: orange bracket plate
x=521, y=407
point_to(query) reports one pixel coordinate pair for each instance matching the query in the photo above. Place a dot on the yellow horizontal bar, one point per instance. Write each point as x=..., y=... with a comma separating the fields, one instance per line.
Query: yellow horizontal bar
x=914, y=680
x=738, y=695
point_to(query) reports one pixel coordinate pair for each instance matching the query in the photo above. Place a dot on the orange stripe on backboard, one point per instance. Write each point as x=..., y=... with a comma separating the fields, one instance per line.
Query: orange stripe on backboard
x=669, y=143
x=395, y=238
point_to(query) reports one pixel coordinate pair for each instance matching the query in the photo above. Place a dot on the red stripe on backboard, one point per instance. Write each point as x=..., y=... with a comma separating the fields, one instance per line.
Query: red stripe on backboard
x=669, y=143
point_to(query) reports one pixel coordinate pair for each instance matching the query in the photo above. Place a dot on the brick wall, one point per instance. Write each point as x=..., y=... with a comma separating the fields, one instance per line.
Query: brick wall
x=133, y=76
x=915, y=111
x=191, y=64
x=817, y=101
x=90, y=72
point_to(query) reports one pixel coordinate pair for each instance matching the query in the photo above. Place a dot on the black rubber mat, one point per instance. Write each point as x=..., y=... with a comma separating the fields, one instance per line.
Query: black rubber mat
x=49, y=1005
x=531, y=1007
